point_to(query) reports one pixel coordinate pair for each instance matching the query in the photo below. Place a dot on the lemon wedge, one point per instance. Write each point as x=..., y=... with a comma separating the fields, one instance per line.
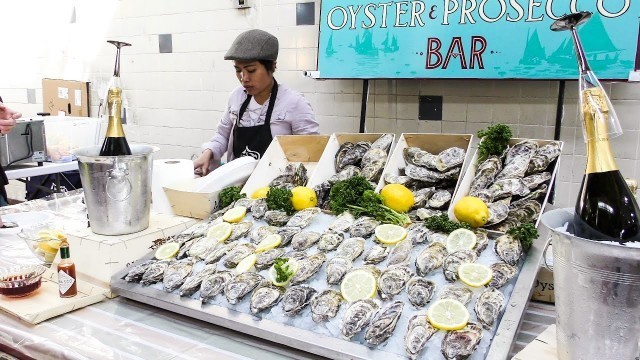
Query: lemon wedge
x=291, y=265
x=220, y=231
x=358, y=285
x=461, y=239
x=475, y=275
x=270, y=241
x=235, y=214
x=448, y=314
x=390, y=234
x=246, y=264
x=167, y=251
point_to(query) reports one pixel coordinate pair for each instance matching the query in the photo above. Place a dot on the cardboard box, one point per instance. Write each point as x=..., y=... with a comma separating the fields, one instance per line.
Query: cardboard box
x=544, y=289
x=65, y=96
x=283, y=150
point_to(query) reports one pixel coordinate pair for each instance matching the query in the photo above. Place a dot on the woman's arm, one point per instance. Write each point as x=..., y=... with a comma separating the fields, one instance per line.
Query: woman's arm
x=213, y=150
x=304, y=119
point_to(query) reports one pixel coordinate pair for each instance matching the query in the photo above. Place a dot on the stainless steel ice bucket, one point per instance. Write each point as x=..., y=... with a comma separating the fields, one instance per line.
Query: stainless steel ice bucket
x=117, y=189
x=597, y=290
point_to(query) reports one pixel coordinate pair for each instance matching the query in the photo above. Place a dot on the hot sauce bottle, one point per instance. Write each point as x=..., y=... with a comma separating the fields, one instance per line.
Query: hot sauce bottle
x=66, y=272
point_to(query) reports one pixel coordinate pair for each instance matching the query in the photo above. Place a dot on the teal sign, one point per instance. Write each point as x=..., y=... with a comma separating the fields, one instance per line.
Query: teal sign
x=488, y=39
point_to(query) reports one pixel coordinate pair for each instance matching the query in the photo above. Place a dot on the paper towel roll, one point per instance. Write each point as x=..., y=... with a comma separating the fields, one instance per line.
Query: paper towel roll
x=165, y=172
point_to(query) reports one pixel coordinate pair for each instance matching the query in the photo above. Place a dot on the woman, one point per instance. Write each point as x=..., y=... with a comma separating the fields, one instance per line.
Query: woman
x=258, y=109
x=7, y=122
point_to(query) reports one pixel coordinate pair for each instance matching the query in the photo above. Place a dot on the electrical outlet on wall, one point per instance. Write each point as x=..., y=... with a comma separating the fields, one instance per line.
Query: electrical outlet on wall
x=430, y=107
x=242, y=4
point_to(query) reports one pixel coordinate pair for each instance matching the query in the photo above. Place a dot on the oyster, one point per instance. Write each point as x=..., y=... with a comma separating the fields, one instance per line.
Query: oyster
x=363, y=227
x=176, y=273
x=400, y=253
x=498, y=211
x=308, y=267
x=397, y=179
x=392, y=280
x=265, y=297
x=240, y=230
x=485, y=174
x=460, y=344
x=508, y=249
x=507, y=187
x=459, y=293
x=216, y=254
x=261, y=232
x=154, y=273
x=376, y=254
x=417, y=233
x=538, y=163
x=259, y=208
x=485, y=195
x=244, y=202
x=337, y=267
x=384, y=323
x=237, y=254
x=430, y=258
x=294, y=175
x=421, y=197
x=551, y=150
x=214, y=284
x=287, y=233
x=482, y=241
x=355, y=154
x=383, y=142
x=420, y=291
x=450, y=158
x=325, y=305
x=372, y=164
x=453, y=261
x=351, y=248
x=439, y=199
x=136, y=272
x=516, y=169
x=341, y=154
x=502, y=272
x=330, y=240
x=533, y=181
x=304, y=217
x=241, y=285
x=421, y=174
x=202, y=247
x=193, y=282
x=184, y=248
x=418, y=157
x=524, y=148
x=357, y=316
x=347, y=172
x=322, y=192
x=343, y=222
x=296, y=298
x=276, y=217
x=296, y=255
x=419, y=331
x=267, y=258
x=304, y=240
x=488, y=307
x=534, y=195
x=424, y=214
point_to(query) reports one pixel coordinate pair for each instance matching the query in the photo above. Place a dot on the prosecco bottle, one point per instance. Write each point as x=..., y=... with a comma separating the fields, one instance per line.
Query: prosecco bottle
x=115, y=142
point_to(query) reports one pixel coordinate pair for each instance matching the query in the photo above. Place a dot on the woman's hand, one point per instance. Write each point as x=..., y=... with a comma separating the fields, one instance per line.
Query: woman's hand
x=201, y=164
x=7, y=119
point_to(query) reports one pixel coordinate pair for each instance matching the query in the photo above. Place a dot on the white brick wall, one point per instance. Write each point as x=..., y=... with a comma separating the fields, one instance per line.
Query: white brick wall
x=176, y=99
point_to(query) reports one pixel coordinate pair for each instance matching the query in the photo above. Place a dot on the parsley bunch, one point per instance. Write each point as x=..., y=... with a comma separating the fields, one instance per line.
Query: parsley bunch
x=525, y=233
x=494, y=141
x=280, y=199
x=229, y=195
x=442, y=223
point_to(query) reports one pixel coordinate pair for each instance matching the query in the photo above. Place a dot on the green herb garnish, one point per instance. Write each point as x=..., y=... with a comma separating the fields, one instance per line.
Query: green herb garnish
x=442, y=223
x=280, y=199
x=229, y=195
x=357, y=196
x=283, y=272
x=494, y=141
x=525, y=233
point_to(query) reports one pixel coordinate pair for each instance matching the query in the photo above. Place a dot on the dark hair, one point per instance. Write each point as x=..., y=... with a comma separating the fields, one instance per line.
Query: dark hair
x=270, y=65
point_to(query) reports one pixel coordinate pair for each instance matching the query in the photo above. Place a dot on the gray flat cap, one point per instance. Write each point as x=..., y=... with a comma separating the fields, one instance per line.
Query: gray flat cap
x=253, y=45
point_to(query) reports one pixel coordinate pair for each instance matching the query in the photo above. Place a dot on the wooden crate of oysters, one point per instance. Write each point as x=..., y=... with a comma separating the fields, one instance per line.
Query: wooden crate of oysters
x=511, y=176
x=431, y=166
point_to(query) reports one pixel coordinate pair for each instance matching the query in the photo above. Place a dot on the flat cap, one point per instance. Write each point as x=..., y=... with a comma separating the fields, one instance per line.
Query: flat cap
x=253, y=45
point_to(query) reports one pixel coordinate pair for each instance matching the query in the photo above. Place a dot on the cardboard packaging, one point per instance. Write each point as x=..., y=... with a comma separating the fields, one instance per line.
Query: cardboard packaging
x=65, y=97
x=544, y=289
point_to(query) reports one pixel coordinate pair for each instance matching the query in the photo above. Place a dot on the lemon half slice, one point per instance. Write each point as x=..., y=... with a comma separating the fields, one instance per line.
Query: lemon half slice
x=292, y=265
x=220, y=231
x=246, y=264
x=358, y=285
x=448, y=314
x=235, y=214
x=461, y=239
x=390, y=234
x=270, y=241
x=474, y=274
x=167, y=251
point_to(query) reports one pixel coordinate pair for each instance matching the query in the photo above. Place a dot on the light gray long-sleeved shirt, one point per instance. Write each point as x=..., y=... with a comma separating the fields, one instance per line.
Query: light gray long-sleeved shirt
x=292, y=114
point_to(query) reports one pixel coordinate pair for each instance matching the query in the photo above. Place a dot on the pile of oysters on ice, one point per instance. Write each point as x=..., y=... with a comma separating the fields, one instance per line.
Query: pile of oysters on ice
x=362, y=158
x=515, y=184
x=431, y=178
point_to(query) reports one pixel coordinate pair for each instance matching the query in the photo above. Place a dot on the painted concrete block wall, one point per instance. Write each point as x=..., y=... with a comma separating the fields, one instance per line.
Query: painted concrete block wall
x=177, y=98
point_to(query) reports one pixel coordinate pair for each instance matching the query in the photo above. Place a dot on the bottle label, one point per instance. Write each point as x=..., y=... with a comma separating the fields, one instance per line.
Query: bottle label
x=64, y=281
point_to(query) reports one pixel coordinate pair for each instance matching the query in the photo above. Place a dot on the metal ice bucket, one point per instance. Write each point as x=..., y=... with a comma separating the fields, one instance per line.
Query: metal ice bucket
x=597, y=290
x=117, y=189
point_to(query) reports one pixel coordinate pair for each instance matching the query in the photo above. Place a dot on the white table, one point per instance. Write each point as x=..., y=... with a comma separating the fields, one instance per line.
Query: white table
x=21, y=171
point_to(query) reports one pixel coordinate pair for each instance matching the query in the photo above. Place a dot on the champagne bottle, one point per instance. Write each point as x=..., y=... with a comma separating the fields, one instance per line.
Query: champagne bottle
x=115, y=142
x=606, y=209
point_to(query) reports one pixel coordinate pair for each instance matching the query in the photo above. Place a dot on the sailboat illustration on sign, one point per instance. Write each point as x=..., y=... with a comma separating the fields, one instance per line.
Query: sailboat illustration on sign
x=365, y=46
x=390, y=46
x=329, y=50
x=534, y=52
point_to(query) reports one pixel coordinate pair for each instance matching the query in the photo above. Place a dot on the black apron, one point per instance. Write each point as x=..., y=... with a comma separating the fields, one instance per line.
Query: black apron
x=254, y=140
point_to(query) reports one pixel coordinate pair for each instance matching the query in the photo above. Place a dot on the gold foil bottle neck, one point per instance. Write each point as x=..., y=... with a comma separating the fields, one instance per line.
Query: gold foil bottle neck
x=595, y=113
